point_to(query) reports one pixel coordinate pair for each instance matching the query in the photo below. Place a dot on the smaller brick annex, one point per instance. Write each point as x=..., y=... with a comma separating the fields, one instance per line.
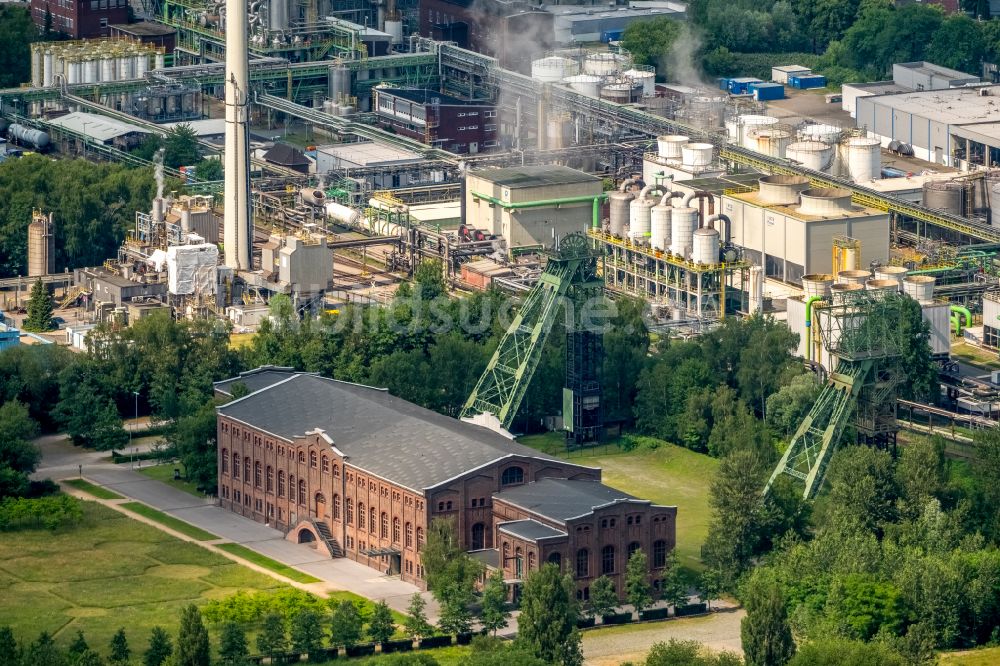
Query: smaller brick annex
x=359, y=473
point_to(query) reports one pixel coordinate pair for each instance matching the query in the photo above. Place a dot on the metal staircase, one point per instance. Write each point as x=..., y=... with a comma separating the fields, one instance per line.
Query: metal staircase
x=324, y=533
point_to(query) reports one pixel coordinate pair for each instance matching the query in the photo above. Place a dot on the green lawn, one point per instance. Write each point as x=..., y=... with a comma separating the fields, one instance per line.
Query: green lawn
x=973, y=355
x=165, y=474
x=92, y=489
x=982, y=657
x=108, y=572
x=670, y=475
x=268, y=563
x=447, y=656
x=169, y=521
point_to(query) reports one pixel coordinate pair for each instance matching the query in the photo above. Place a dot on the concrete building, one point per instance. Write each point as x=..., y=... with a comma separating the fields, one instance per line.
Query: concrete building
x=100, y=129
x=147, y=32
x=928, y=76
x=300, y=264
x=991, y=319
x=372, y=155
x=80, y=19
x=493, y=197
x=107, y=288
x=439, y=120
x=361, y=474
x=577, y=24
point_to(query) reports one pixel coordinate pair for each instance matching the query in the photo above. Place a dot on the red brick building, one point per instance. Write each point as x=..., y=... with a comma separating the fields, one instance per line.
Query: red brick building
x=439, y=120
x=80, y=19
x=360, y=474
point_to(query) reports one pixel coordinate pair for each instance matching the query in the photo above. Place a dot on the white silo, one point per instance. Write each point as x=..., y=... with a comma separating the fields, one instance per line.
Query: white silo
x=697, y=154
x=669, y=146
x=747, y=123
x=108, y=71
x=90, y=69
x=48, y=65
x=553, y=69
x=683, y=222
x=160, y=61
x=659, y=226
x=37, y=66
x=73, y=76
x=640, y=211
x=814, y=155
x=605, y=64
x=863, y=157
x=819, y=132
x=141, y=65
x=769, y=140
x=645, y=76
x=705, y=243
x=585, y=84
x=919, y=288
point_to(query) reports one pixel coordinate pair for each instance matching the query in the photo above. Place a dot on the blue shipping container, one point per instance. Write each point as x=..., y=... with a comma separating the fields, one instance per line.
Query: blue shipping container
x=806, y=81
x=611, y=35
x=723, y=83
x=763, y=92
x=740, y=86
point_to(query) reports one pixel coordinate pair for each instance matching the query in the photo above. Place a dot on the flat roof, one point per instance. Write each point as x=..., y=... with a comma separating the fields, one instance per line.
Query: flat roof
x=530, y=530
x=753, y=197
x=96, y=126
x=535, y=176
x=426, y=96
x=930, y=69
x=879, y=87
x=722, y=183
x=952, y=106
x=145, y=28
x=988, y=130
x=560, y=500
x=365, y=153
x=906, y=183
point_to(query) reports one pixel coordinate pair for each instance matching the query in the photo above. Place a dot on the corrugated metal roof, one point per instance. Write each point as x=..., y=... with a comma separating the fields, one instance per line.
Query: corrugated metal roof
x=97, y=127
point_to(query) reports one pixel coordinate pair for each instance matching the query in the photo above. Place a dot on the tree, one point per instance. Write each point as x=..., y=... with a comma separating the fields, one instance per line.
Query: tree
x=673, y=588
x=637, y=588
x=16, y=34
x=271, y=640
x=180, y=147
x=650, y=41
x=44, y=651
x=208, y=170
x=78, y=646
x=88, y=658
x=192, y=639
x=18, y=456
x=307, y=633
x=233, y=648
x=10, y=651
x=451, y=575
x=429, y=279
x=711, y=586
x=381, y=626
x=119, y=651
x=346, y=624
x=986, y=473
x=193, y=438
x=958, y=43
x=788, y=406
x=626, y=345
x=863, y=489
x=603, y=597
x=916, y=360
x=40, y=307
x=832, y=651
x=548, y=614
x=764, y=631
x=492, y=651
x=416, y=625
x=160, y=648
x=494, y=613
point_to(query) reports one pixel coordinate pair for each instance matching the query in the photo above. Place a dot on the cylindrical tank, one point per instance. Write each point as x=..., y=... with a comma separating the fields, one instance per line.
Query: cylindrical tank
x=329, y=106
x=47, y=64
x=185, y=219
x=553, y=69
x=619, y=211
x=342, y=214
x=313, y=195
x=141, y=65
x=339, y=80
x=124, y=67
x=781, y=189
x=640, y=211
x=919, y=287
x=558, y=129
x=817, y=284
x=743, y=124
x=659, y=226
x=345, y=110
x=841, y=292
x=853, y=277
x=620, y=93
x=706, y=246
x=863, y=156
x=771, y=141
x=669, y=145
x=394, y=28
x=825, y=201
x=155, y=105
x=160, y=61
x=683, y=222
x=28, y=136
x=187, y=102
x=882, y=285
x=704, y=112
x=172, y=103
x=644, y=76
x=37, y=66
x=817, y=132
x=896, y=273
x=90, y=71
x=605, y=64
x=41, y=246
x=72, y=72
x=949, y=196
x=814, y=155
x=277, y=15
x=586, y=84
x=696, y=154
x=107, y=69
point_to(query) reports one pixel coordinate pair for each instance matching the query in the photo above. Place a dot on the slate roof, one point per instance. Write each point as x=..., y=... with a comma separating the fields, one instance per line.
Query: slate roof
x=530, y=530
x=380, y=433
x=255, y=380
x=562, y=499
x=285, y=155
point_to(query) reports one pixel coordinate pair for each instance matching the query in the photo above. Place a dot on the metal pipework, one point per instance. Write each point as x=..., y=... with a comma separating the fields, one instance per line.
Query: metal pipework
x=625, y=184
x=720, y=217
x=595, y=199
x=809, y=342
x=960, y=310
x=701, y=195
x=644, y=192
x=670, y=195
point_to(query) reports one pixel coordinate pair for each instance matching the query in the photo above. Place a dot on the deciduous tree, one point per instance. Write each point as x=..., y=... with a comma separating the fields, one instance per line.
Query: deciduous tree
x=764, y=631
x=494, y=614
x=233, y=649
x=549, y=612
x=381, y=626
x=307, y=634
x=416, y=625
x=603, y=596
x=271, y=640
x=637, y=588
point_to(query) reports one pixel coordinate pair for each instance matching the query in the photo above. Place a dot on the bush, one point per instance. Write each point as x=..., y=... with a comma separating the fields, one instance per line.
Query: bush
x=48, y=512
x=654, y=614
x=464, y=638
x=723, y=62
x=585, y=622
x=434, y=642
x=618, y=618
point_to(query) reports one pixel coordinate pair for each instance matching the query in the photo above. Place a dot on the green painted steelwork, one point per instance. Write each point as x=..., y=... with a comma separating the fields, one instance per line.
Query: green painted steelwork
x=809, y=309
x=596, y=199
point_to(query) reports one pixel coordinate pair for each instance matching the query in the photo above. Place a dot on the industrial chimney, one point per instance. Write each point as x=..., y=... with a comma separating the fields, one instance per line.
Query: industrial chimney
x=238, y=227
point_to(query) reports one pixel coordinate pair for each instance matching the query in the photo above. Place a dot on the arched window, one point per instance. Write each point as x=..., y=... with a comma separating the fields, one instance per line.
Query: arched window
x=556, y=559
x=336, y=507
x=512, y=476
x=246, y=469
x=659, y=553
x=326, y=464
x=531, y=561
x=420, y=538
x=256, y=474
x=372, y=526
x=336, y=470
x=312, y=459
x=319, y=504
x=225, y=461
x=349, y=512
x=582, y=563
x=236, y=465
x=608, y=560
x=281, y=483
x=518, y=562
x=302, y=491
x=385, y=525
x=478, y=536
x=632, y=547
x=395, y=530
x=361, y=515
x=269, y=479
x=409, y=534
x=291, y=488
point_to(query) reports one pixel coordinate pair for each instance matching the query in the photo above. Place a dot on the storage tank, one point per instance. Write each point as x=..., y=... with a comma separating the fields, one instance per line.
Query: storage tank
x=72, y=72
x=90, y=71
x=919, y=288
x=619, y=211
x=41, y=245
x=277, y=15
x=621, y=93
x=863, y=157
x=48, y=65
x=553, y=69
x=781, y=189
x=858, y=277
x=160, y=61
x=559, y=131
x=817, y=284
x=739, y=133
x=896, y=273
x=37, y=66
x=585, y=84
x=107, y=69
x=683, y=222
x=669, y=145
x=141, y=65
x=639, y=219
x=947, y=195
x=28, y=136
x=841, y=292
x=816, y=132
x=342, y=214
x=312, y=195
x=659, y=226
x=825, y=202
x=395, y=31
x=704, y=112
x=882, y=285
x=773, y=141
x=696, y=154
x=605, y=64
x=814, y=155
x=706, y=246
x=124, y=67
x=339, y=82
x=644, y=76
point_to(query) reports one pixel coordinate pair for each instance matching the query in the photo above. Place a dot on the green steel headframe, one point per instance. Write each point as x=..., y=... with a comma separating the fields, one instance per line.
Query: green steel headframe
x=502, y=385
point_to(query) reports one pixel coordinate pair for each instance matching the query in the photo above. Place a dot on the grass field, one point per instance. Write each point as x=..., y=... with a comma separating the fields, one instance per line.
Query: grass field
x=91, y=489
x=169, y=521
x=164, y=473
x=983, y=657
x=268, y=563
x=108, y=572
x=975, y=356
x=670, y=475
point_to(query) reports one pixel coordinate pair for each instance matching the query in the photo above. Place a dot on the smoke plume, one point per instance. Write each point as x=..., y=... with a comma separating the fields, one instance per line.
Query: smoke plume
x=158, y=172
x=680, y=62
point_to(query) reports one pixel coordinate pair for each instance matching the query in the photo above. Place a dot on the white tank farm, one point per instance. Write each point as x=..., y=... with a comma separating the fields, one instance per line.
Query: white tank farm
x=747, y=122
x=683, y=222
x=619, y=211
x=659, y=226
x=773, y=141
x=697, y=154
x=669, y=146
x=814, y=155
x=640, y=211
x=108, y=72
x=705, y=246
x=644, y=76
x=605, y=64
x=553, y=69
x=819, y=132
x=863, y=157
x=585, y=84
x=37, y=66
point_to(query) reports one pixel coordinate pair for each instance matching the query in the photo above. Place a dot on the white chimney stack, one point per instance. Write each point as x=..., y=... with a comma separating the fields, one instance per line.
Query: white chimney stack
x=238, y=227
